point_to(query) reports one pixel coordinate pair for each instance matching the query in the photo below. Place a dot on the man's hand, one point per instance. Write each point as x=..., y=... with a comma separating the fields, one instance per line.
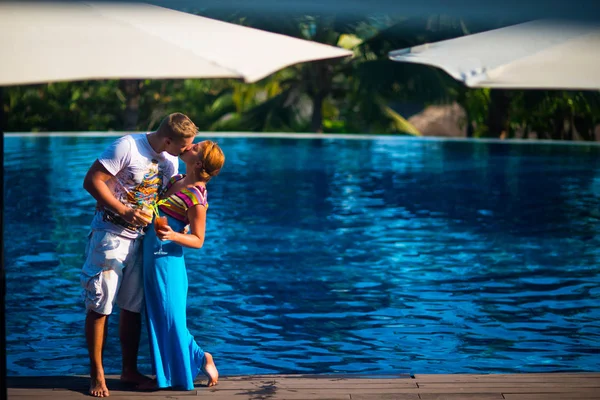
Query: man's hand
x=136, y=217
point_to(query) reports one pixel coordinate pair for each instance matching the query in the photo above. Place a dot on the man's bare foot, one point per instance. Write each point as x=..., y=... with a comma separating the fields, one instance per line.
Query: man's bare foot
x=135, y=378
x=149, y=385
x=98, y=387
x=210, y=370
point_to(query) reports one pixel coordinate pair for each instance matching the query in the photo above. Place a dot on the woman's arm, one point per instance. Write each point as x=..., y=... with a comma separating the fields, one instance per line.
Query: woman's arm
x=197, y=217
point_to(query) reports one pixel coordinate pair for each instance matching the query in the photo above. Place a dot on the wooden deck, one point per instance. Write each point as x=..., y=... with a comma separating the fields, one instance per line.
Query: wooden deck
x=553, y=386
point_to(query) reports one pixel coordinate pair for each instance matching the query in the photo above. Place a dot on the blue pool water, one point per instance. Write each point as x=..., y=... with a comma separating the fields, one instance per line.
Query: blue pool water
x=337, y=256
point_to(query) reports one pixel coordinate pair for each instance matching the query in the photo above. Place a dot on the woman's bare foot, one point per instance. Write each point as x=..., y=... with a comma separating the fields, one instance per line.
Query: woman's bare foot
x=210, y=370
x=98, y=387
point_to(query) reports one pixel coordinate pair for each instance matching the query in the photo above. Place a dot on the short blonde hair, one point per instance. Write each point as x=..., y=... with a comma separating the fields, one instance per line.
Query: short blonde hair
x=212, y=158
x=177, y=126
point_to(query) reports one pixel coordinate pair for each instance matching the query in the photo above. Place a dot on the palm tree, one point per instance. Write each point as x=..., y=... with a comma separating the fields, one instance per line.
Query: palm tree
x=299, y=97
x=342, y=95
x=554, y=114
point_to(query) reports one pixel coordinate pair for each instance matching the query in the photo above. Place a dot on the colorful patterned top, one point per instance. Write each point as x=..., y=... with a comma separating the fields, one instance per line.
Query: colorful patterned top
x=177, y=204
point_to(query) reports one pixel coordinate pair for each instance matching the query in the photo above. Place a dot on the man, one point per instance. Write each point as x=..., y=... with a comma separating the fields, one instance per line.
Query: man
x=125, y=180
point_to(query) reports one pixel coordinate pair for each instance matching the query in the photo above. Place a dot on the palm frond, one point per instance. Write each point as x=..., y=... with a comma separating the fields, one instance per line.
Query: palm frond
x=400, y=123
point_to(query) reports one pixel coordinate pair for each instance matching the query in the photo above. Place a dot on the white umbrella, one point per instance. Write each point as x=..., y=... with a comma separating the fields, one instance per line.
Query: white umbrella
x=42, y=42
x=539, y=54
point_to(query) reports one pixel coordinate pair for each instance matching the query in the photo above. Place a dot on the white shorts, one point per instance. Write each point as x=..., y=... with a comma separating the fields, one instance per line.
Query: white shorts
x=112, y=273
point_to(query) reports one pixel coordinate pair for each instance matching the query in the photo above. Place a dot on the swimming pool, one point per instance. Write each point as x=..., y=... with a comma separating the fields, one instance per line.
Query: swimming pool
x=330, y=255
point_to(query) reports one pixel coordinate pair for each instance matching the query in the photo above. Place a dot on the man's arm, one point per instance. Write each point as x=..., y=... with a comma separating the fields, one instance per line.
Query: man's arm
x=95, y=183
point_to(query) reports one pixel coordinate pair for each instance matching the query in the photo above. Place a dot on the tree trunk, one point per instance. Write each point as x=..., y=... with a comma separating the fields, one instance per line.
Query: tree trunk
x=585, y=128
x=462, y=102
x=2, y=114
x=569, y=132
x=3, y=385
x=497, y=120
x=316, y=122
x=558, y=126
x=321, y=74
x=470, y=130
x=132, y=91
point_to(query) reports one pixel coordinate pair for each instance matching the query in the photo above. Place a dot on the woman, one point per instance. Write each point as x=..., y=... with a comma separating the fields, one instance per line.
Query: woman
x=177, y=358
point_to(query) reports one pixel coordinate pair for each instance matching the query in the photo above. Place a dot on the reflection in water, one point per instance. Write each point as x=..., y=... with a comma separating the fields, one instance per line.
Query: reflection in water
x=323, y=256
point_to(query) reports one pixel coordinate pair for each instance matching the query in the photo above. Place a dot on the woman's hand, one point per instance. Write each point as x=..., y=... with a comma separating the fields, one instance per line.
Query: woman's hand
x=166, y=233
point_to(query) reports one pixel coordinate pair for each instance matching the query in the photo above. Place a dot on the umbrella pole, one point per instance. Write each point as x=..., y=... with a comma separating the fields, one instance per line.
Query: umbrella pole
x=3, y=389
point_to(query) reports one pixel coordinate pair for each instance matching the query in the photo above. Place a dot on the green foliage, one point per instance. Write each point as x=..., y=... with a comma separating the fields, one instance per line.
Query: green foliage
x=476, y=104
x=88, y=105
x=205, y=101
x=555, y=115
x=338, y=96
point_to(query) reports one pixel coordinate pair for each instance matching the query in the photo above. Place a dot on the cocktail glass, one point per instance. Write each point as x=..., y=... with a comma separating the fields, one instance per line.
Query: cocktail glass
x=160, y=222
x=148, y=212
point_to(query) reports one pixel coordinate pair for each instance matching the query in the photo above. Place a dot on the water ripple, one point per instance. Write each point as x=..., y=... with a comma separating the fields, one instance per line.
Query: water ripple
x=350, y=256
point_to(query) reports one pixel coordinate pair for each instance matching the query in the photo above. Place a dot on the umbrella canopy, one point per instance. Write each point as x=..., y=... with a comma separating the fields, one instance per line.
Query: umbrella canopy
x=42, y=42
x=540, y=54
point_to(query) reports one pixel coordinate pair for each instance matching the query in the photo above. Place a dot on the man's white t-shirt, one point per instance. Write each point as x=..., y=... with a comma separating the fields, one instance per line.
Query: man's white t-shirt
x=139, y=174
